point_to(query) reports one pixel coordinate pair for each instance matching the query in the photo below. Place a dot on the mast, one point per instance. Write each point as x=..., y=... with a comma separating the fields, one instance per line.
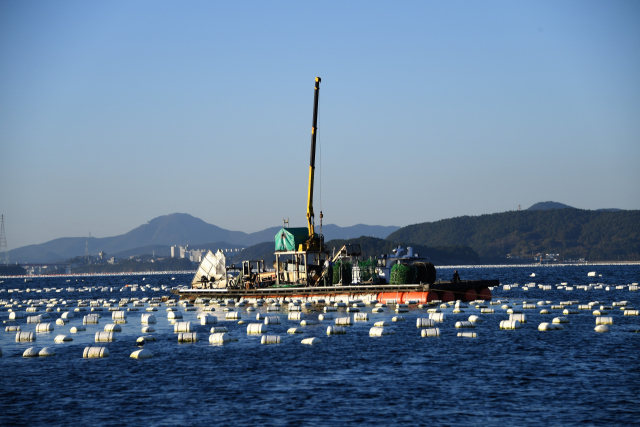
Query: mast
x=312, y=163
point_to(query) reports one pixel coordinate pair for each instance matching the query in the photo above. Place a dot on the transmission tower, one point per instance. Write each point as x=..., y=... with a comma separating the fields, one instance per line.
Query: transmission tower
x=4, y=253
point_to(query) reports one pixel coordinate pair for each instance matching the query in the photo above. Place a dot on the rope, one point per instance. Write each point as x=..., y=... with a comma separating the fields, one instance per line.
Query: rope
x=319, y=155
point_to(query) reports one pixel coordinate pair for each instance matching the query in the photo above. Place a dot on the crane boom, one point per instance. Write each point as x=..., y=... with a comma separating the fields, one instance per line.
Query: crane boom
x=312, y=163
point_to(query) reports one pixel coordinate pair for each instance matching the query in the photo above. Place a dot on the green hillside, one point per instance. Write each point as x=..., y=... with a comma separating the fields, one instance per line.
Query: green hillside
x=572, y=233
x=371, y=247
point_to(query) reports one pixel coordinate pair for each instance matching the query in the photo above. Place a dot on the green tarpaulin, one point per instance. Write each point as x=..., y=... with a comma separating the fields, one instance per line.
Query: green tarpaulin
x=288, y=239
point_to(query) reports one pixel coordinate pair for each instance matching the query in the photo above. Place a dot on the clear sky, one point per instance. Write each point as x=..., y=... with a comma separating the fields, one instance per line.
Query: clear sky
x=115, y=112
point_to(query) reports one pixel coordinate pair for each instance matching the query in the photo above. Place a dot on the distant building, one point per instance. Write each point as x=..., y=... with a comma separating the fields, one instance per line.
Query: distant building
x=178, y=251
x=111, y=260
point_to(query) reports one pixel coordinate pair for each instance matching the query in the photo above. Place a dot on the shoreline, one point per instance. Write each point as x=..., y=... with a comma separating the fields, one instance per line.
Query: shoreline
x=460, y=266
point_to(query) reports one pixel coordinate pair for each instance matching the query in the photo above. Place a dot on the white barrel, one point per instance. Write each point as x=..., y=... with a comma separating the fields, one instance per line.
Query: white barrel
x=105, y=336
x=232, y=315
x=343, y=321
x=148, y=329
x=336, y=330
x=325, y=317
x=270, y=339
x=430, y=332
x=296, y=316
x=63, y=338
x=467, y=334
x=30, y=352
x=119, y=315
x=522, y=318
x=219, y=338
x=382, y=324
x=377, y=310
x=47, y=351
x=398, y=319
x=60, y=322
x=602, y=320
x=487, y=311
x=182, y=327
x=632, y=312
x=510, y=324
x=208, y=320
x=570, y=311
x=475, y=319
x=464, y=324
x=141, y=354
x=311, y=341
x=256, y=328
x=25, y=336
x=13, y=328
x=172, y=315
x=44, y=327
x=188, y=336
x=218, y=329
x=260, y=316
x=602, y=328
x=112, y=328
x=294, y=331
x=76, y=329
x=95, y=352
x=34, y=319
x=549, y=327
x=273, y=308
x=529, y=306
x=378, y=332
x=329, y=308
x=307, y=322
x=557, y=320
x=15, y=315
x=272, y=320
x=147, y=318
x=90, y=318
x=360, y=317
x=294, y=308
x=437, y=317
x=424, y=323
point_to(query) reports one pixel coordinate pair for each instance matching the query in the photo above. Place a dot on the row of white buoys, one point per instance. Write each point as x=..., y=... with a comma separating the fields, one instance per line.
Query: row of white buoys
x=32, y=352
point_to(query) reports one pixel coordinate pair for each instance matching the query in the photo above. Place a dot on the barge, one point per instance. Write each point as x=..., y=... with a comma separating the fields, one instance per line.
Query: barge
x=305, y=269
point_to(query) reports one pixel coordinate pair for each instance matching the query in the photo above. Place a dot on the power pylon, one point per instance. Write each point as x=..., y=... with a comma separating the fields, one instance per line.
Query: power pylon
x=4, y=253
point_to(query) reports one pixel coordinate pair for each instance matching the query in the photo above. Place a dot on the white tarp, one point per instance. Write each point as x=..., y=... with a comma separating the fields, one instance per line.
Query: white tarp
x=213, y=269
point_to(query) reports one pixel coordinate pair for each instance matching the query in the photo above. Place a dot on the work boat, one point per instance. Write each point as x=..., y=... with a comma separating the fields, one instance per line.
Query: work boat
x=305, y=268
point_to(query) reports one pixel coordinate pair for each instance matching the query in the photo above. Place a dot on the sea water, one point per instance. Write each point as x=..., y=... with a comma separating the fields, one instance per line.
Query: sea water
x=502, y=377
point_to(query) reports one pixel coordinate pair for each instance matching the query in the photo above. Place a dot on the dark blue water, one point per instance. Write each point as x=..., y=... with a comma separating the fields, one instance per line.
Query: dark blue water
x=520, y=377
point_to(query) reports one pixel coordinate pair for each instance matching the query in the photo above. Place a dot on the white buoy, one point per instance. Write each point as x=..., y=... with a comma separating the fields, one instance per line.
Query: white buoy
x=307, y=322
x=475, y=319
x=430, y=332
x=182, y=327
x=325, y=317
x=311, y=341
x=119, y=315
x=424, y=323
x=25, y=336
x=602, y=328
x=232, y=315
x=464, y=324
x=218, y=329
x=30, y=352
x=95, y=352
x=207, y=319
x=90, y=318
x=272, y=320
x=77, y=329
x=219, y=338
x=112, y=328
x=550, y=327
x=336, y=330
x=345, y=321
x=47, y=351
x=147, y=318
x=270, y=339
x=510, y=324
x=172, y=315
x=522, y=318
x=378, y=332
x=294, y=330
x=467, y=334
x=437, y=317
x=63, y=338
x=377, y=310
x=558, y=320
x=631, y=312
x=256, y=328
x=381, y=324
x=141, y=354
x=360, y=317
x=14, y=328
x=15, y=315
x=297, y=315
x=105, y=337
x=188, y=337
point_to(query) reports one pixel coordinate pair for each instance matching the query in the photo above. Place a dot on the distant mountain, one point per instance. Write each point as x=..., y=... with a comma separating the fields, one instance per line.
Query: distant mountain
x=541, y=206
x=572, y=233
x=163, y=232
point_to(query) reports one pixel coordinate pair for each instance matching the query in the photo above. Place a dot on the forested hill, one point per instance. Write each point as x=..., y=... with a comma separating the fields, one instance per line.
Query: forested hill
x=572, y=233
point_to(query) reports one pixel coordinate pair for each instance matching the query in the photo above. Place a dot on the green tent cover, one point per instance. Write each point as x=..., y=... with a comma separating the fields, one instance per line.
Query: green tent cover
x=288, y=239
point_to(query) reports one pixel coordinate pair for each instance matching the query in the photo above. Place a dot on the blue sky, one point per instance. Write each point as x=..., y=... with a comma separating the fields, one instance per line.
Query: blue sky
x=114, y=113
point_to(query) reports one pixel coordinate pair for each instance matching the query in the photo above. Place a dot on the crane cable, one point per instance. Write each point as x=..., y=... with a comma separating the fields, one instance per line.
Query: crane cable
x=319, y=159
